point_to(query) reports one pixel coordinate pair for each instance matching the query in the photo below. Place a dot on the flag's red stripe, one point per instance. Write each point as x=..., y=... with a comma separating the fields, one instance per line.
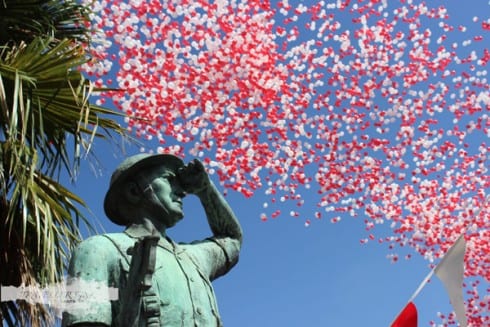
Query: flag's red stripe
x=407, y=318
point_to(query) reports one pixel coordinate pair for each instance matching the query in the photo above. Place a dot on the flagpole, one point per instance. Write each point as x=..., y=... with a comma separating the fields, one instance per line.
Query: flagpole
x=421, y=286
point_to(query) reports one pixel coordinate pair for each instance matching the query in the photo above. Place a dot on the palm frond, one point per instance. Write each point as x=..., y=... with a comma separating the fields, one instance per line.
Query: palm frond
x=24, y=20
x=50, y=99
x=39, y=224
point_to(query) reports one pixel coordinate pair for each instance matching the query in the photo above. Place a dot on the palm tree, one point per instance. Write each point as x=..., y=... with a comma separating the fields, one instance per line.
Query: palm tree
x=46, y=122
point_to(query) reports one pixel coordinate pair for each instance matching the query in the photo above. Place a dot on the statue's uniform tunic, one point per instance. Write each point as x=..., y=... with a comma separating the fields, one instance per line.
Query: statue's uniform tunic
x=181, y=281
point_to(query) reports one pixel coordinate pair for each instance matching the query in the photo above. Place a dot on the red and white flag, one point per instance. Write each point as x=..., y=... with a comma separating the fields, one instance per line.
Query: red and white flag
x=451, y=272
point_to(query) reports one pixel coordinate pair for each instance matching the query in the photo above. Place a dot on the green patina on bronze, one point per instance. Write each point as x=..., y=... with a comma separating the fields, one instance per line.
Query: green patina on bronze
x=160, y=282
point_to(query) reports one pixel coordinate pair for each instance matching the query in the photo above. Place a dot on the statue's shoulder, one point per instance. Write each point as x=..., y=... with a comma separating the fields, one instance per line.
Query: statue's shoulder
x=121, y=241
x=110, y=243
x=103, y=238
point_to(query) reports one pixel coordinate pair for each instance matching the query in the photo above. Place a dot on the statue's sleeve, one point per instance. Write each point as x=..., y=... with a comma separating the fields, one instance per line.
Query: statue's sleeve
x=89, y=278
x=215, y=256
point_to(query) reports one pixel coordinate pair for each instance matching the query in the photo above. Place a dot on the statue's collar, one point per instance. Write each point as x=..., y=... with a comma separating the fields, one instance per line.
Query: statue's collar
x=137, y=231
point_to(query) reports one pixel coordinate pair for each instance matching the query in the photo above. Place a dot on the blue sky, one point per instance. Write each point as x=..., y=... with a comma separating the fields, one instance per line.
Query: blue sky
x=291, y=275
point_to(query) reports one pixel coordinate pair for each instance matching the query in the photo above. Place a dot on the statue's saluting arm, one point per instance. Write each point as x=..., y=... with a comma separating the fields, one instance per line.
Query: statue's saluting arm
x=221, y=218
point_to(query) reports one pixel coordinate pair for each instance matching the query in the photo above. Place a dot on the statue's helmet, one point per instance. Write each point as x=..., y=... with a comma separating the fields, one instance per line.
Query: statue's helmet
x=128, y=169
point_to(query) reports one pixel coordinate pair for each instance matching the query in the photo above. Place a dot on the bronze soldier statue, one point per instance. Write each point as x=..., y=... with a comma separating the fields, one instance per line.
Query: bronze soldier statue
x=159, y=282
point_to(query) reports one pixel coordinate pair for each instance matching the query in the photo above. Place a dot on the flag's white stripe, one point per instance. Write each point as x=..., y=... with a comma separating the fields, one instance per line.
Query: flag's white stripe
x=451, y=272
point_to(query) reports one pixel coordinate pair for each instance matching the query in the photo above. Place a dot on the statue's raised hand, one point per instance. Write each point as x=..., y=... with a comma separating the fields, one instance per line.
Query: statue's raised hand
x=193, y=177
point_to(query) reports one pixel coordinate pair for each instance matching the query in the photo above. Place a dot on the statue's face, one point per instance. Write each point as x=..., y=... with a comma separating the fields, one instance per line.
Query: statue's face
x=168, y=195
